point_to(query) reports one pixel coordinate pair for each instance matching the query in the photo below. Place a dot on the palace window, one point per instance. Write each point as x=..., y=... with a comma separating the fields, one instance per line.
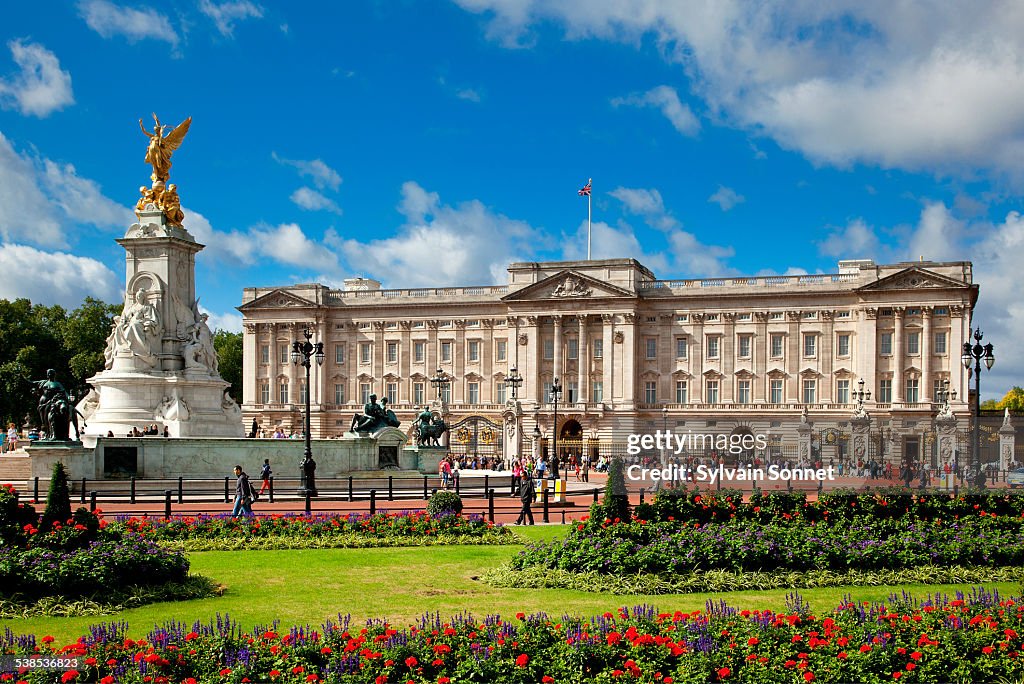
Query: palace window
x=598, y=387
x=302, y=391
x=391, y=391
x=810, y=391
x=842, y=391
x=264, y=392
x=549, y=349
x=885, y=391
x=265, y=353
x=499, y=391
x=573, y=347
x=843, y=345
x=339, y=354
x=681, y=347
x=775, y=391
x=940, y=343
x=339, y=393
x=282, y=354
x=364, y=392
x=598, y=348
x=419, y=393
x=365, y=352
x=474, y=350
x=501, y=350
x=885, y=344
x=419, y=351
x=913, y=343
x=681, y=391
x=650, y=392
x=743, y=392
x=711, y=389
x=652, y=347
x=777, y=346
x=810, y=346
x=712, y=346
x=446, y=393
x=282, y=392
x=446, y=352
x=744, y=346
x=392, y=348
x=474, y=392
x=912, y=396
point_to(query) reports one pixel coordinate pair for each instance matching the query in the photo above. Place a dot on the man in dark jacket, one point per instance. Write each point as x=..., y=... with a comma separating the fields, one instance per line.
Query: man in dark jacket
x=243, y=494
x=526, y=493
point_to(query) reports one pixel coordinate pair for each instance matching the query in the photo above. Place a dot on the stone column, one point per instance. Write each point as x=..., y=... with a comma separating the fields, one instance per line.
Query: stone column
x=897, y=356
x=926, y=351
x=293, y=378
x=825, y=357
x=377, y=354
x=696, y=393
x=557, y=366
x=860, y=429
x=804, y=430
x=582, y=361
x=865, y=363
x=275, y=398
x=627, y=361
x=760, y=355
x=727, y=355
x=945, y=429
x=794, y=350
x=607, y=337
x=1007, y=443
x=536, y=361
x=958, y=319
x=250, y=363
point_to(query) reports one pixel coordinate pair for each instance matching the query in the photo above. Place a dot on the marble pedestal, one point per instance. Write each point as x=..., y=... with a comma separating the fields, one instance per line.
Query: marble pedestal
x=424, y=458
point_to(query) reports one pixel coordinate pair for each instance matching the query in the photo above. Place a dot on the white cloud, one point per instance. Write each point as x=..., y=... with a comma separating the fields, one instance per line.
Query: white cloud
x=40, y=200
x=440, y=243
x=726, y=198
x=667, y=100
x=310, y=199
x=938, y=235
x=41, y=87
x=468, y=94
x=54, y=277
x=639, y=200
x=696, y=259
x=109, y=20
x=856, y=240
x=917, y=85
x=323, y=175
x=230, y=321
x=225, y=14
x=608, y=242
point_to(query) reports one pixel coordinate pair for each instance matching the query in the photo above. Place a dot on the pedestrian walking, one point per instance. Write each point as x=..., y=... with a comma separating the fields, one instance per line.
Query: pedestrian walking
x=244, y=494
x=526, y=494
x=265, y=473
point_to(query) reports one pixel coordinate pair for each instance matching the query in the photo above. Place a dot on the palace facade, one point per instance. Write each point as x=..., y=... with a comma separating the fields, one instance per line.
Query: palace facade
x=632, y=352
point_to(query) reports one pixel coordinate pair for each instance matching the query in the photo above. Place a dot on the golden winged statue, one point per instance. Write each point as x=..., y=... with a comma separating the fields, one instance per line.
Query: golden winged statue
x=162, y=144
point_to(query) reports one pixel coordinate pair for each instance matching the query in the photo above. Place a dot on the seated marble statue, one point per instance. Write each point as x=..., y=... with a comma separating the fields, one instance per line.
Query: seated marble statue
x=198, y=350
x=139, y=331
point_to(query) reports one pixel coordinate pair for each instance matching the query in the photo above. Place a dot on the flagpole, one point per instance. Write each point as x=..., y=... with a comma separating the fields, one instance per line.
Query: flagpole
x=588, y=223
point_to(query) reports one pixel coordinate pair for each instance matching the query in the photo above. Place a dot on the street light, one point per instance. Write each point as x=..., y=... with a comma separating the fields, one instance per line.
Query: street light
x=976, y=353
x=860, y=396
x=302, y=352
x=556, y=394
x=440, y=381
x=514, y=380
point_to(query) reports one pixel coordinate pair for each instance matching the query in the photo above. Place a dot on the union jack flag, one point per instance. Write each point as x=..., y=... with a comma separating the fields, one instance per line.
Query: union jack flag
x=585, y=190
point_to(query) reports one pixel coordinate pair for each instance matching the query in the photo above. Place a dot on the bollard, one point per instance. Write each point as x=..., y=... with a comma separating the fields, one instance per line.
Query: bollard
x=35, y=490
x=271, y=489
x=133, y=489
x=227, y=498
x=391, y=487
x=373, y=502
x=487, y=482
x=545, y=499
x=425, y=477
x=718, y=483
x=641, y=495
x=92, y=501
x=563, y=516
x=457, y=484
x=309, y=503
x=83, y=490
x=181, y=489
x=167, y=503
x=595, y=495
x=490, y=505
x=350, y=488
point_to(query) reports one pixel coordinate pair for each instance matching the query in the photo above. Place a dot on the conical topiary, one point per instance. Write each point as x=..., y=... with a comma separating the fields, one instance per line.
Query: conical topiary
x=58, y=499
x=616, y=497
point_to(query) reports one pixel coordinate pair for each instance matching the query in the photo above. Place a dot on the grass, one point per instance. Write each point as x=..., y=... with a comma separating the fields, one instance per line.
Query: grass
x=307, y=586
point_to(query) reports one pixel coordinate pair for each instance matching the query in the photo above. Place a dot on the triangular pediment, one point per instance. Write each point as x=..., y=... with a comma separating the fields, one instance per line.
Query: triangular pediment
x=568, y=285
x=277, y=299
x=913, y=278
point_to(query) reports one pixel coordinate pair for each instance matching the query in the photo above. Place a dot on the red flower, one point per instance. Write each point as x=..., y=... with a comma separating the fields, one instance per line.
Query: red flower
x=522, y=660
x=841, y=655
x=911, y=666
x=411, y=661
x=753, y=641
x=808, y=676
x=723, y=673
x=443, y=680
x=69, y=675
x=381, y=679
x=986, y=650
x=547, y=679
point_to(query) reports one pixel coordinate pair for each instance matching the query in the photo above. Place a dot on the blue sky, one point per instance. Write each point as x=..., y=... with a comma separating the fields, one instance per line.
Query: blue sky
x=340, y=139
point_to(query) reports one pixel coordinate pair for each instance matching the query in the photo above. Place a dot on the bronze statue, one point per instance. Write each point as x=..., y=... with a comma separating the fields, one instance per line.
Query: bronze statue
x=162, y=145
x=374, y=417
x=429, y=429
x=171, y=205
x=57, y=412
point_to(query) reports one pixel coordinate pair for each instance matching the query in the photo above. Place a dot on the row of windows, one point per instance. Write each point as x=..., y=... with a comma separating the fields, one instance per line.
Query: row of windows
x=391, y=349
x=776, y=391
x=391, y=392
x=744, y=345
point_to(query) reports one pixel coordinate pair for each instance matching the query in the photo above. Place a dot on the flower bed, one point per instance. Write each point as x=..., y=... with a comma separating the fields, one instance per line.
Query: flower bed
x=671, y=547
x=79, y=557
x=208, y=532
x=941, y=638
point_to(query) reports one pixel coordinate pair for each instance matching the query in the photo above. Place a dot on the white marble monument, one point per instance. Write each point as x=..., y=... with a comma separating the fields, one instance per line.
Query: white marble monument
x=161, y=366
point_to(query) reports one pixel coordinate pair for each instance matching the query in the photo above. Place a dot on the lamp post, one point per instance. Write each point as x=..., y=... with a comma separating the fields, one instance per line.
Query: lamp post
x=514, y=380
x=440, y=381
x=860, y=396
x=976, y=353
x=302, y=352
x=556, y=394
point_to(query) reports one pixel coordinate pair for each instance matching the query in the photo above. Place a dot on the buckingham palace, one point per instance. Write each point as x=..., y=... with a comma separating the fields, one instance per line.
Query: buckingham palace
x=632, y=353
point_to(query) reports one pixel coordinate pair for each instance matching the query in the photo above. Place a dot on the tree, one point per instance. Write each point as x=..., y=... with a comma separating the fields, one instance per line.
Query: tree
x=58, y=499
x=616, y=497
x=1013, y=400
x=229, y=360
x=85, y=335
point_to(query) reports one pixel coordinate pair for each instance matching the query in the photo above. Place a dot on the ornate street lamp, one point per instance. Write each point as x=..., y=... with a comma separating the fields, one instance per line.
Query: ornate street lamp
x=514, y=380
x=556, y=394
x=860, y=396
x=976, y=353
x=440, y=381
x=302, y=352
x=944, y=395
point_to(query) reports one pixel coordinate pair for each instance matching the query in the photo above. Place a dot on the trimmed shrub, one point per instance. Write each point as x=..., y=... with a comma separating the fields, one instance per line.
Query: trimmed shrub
x=616, y=498
x=58, y=499
x=444, y=503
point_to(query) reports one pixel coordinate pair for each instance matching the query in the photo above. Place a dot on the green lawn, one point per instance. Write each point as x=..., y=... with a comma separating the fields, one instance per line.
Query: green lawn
x=305, y=587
